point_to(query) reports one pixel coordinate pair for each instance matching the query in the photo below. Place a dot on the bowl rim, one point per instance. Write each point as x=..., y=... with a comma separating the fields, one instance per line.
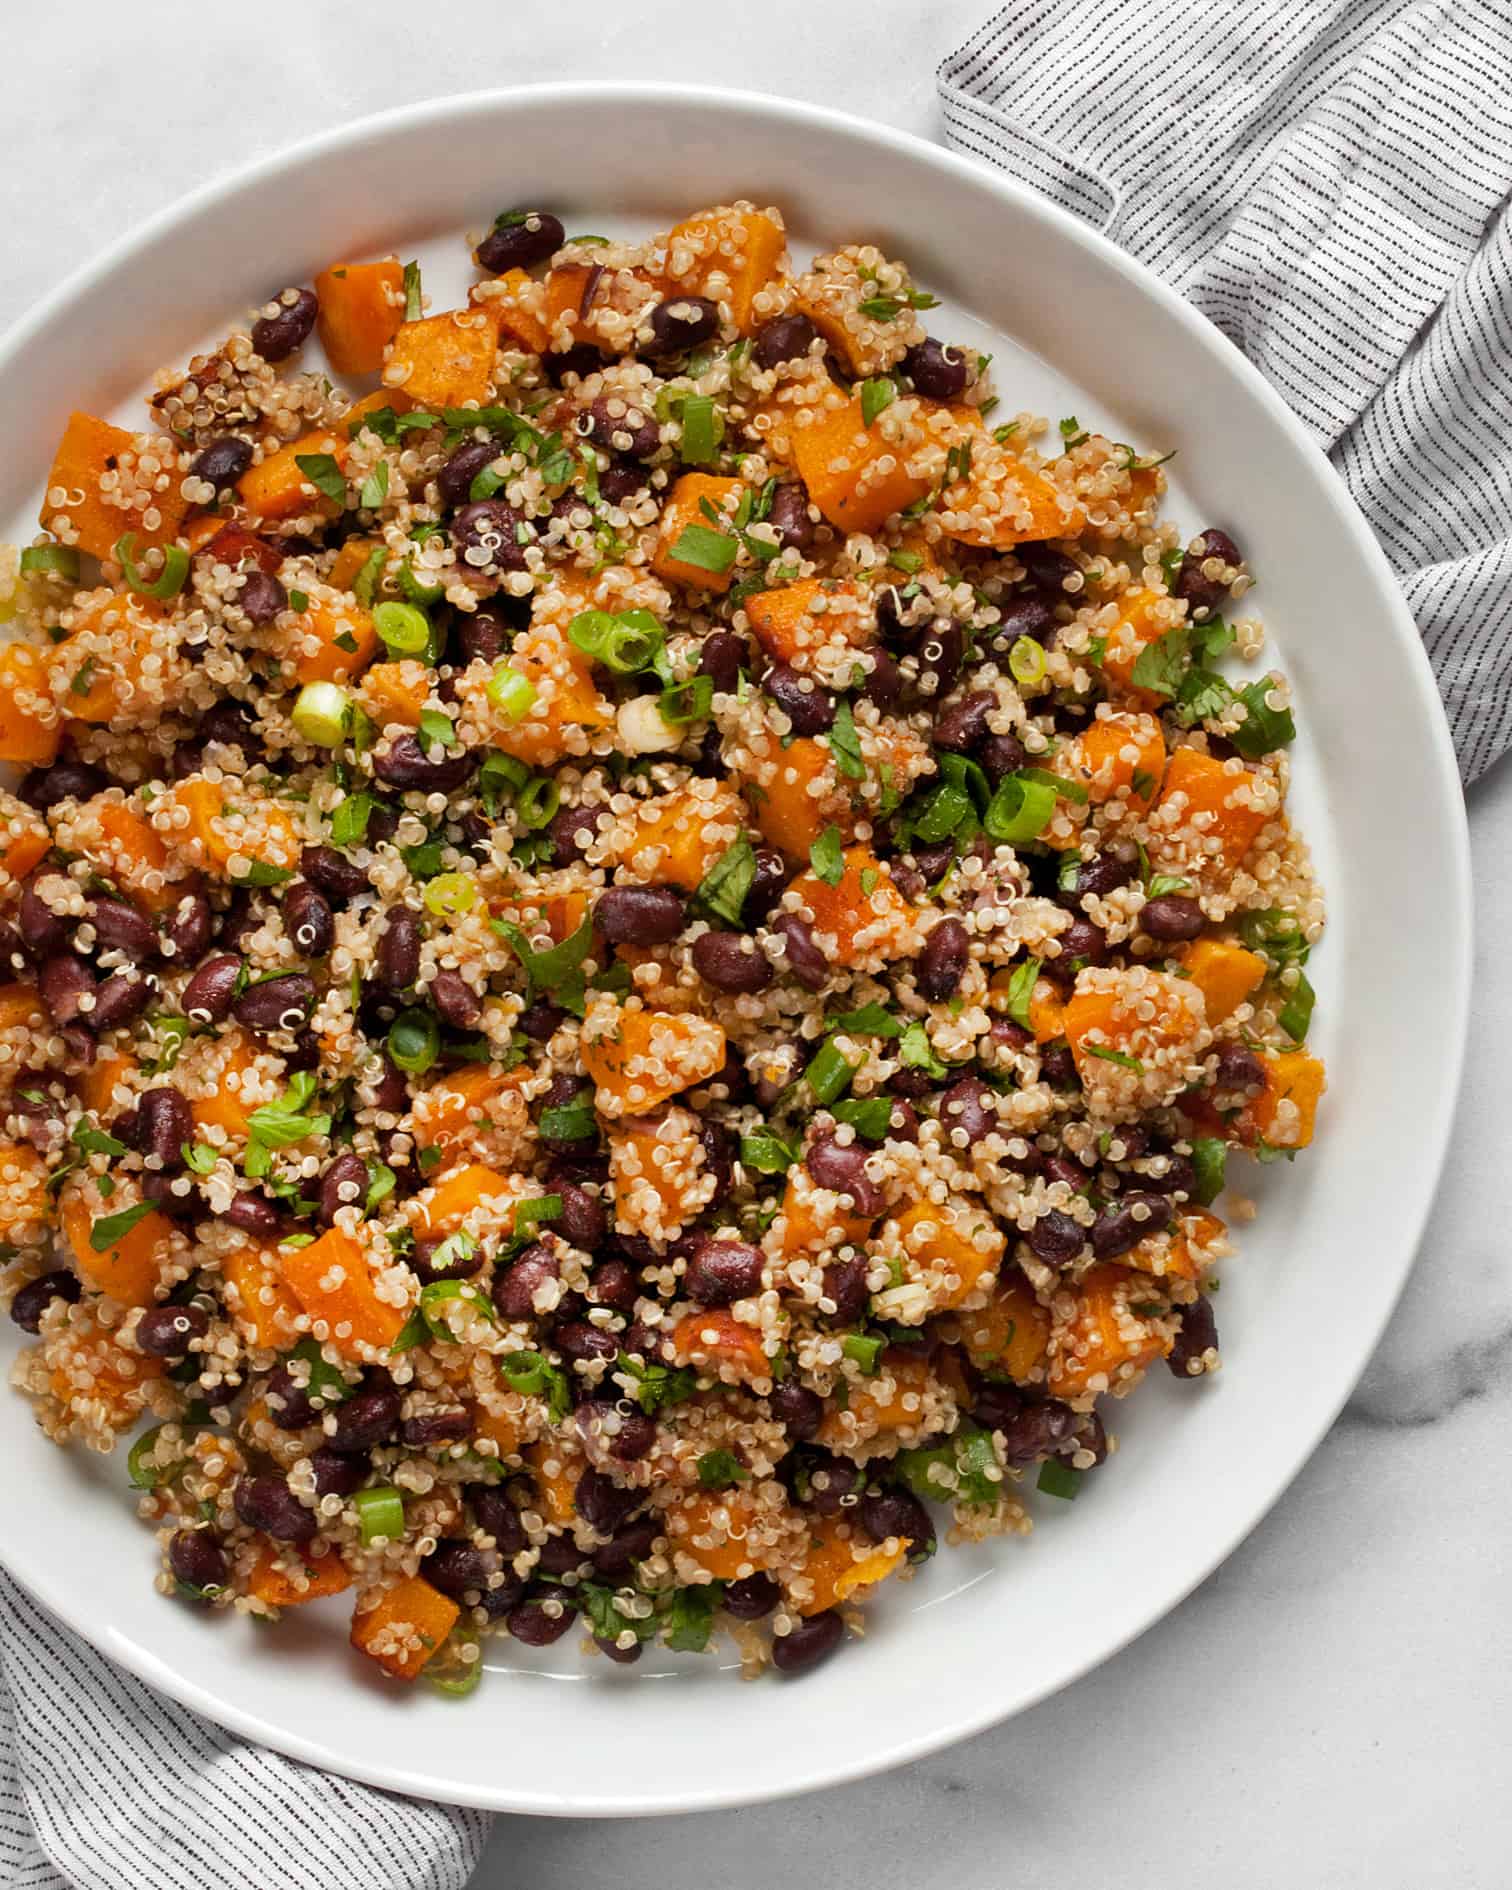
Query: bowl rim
x=1440, y=771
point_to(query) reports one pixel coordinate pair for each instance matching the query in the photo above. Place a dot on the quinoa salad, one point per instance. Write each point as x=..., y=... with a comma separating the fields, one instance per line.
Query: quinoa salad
x=641, y=934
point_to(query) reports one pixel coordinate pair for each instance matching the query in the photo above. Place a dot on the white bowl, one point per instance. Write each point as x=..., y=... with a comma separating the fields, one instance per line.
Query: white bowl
x=982, y=1633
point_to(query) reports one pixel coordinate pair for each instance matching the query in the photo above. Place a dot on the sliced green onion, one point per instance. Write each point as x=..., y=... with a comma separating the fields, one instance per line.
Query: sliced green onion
x=829, y=1072
x=1059, y=1479
x=500, y=775
x=1059, y=785
x=321, y=714
x=145, y=1476
x=536, y=1377
x=1026, y=660
x=1020, y=810
x=686, y=702
x=414, y=1041
x=511, y=692
x=537, y=802
x=415, y=592
x=623, y=641
x=380, y=1513
x=702, y=428
x=1296, y=1014
x=60, y=560
x=413, y=306
x=405, y=630
x=451, y=893
x=175, y=569
x=458, y=1683
x=865, y=1348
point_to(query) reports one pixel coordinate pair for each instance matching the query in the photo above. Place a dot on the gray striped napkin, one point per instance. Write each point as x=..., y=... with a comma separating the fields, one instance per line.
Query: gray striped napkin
x=1328, y=183
x=107, y=1785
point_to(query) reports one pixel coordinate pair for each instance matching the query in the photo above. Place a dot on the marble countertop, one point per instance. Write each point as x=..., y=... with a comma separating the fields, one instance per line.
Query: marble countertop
x=1329, y=1710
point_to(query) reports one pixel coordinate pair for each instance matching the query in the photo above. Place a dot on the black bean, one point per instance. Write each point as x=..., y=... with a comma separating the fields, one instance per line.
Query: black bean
x=959, y=726
x=602, y=1503
x=289, y=1403
x=497, y=1517
x=1055, y=1238
x=582, y=359
x=119, y=1000
x=997, y=1405
x=968, y=1106
x=1239, y=1067
x=628, y=1437
x=267, y=1503
x=368, y=1417
x=406, y=763
x=344, y=1184
x=620, y=423
x=573, y=829
x=581, y=1341
x=457, y=1567
x=1067, y=1169
x=1201, y=592
x=308, y=920
x=165, y=1331
x=482, y=636
x=842, y=1167
x=254, y=1214
x=798, y=1409
x=560, y=1555
x=620, y=482
x=638, y=915
x=544, y=1617
x=942, y=963
x=845, y=1286
x=1048, y=570
x=811, y=1641
x=730, y=962
x=582, y=1220
x=1102, y=874
x=1022, y=615
x=525, y=239
x=772, y=875
x=898, y=1512
x=186, y=930
x=722, y=656
x=1058, y=1066
x=338, y=1473
x=803, y=958
x=720, y=1147
x=397, y=961
x=937, y=371
x=1082, y=942
x=940, y=655
x=752, y=1598
x=1125, y=1222
x=810, y=709
x=786, y=338
x=1037, y=1430
x=46, y=788
x=42, y=931
x=541, y=1020
x=275, y=337
x=165, y=1124
x=613, y=1285
x=723, y=1270
x=1001, y=755
x=789, y=516
x=209, y=994
x=198, y=1561
x=454, y=1000
x=1197, y=1335
x=435, y=1427
x=487, y=539
x=884, y=680
x=1172, y=917
x=223, y=461
x=261, y=598
x=281, y=1003
x=458, y=1264
x=37, y=1295
x=336, y=876
x=833, y=1483
x=515, y=1289
x=158, y=1188
x=680, y=323
x=627, y=1545
x=455, y=478
x=1092, y=1437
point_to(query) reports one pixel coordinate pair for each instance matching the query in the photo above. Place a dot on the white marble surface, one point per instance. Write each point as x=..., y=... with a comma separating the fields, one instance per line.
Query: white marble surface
x=1329, y=1711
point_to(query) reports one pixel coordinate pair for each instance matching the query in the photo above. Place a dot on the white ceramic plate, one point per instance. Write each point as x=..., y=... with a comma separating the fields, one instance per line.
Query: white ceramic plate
x=1076, y=328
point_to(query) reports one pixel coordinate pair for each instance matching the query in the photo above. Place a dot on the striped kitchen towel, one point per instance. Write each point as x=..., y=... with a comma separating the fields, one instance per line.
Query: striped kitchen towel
x=107, y=1785
x=1327, y=181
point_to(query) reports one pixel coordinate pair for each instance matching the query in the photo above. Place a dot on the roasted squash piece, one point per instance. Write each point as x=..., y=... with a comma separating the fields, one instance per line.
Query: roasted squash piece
x=639, y=1058
x=333, y=1281
x=95, y=459
x=445, y=360
x=405, y=1627
x=1107, y=1343
x=361, y=310
x=708, y=550
x=858, y=476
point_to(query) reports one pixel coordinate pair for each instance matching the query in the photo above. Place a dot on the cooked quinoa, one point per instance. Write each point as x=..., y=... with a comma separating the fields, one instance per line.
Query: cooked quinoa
x=638, y=930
